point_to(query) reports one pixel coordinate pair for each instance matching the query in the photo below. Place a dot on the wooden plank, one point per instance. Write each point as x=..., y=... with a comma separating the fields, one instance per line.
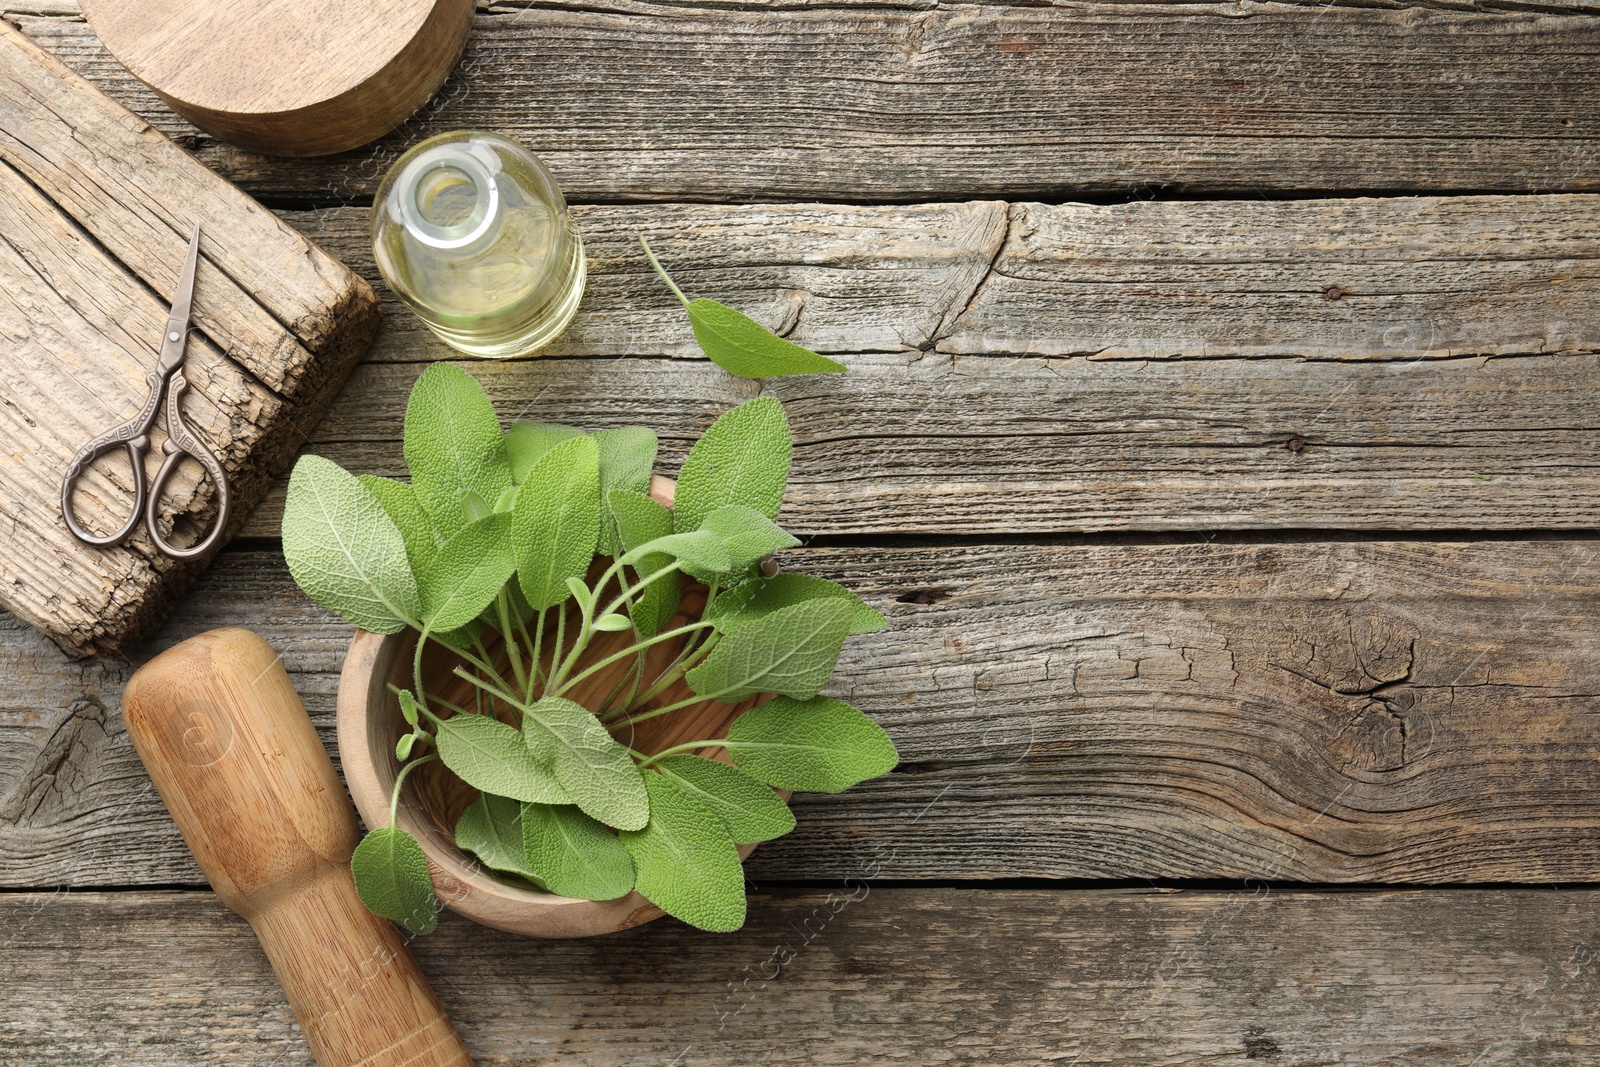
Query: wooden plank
x=96, y=210
x=871, y=973
x=1350, y=712
x=638, y=100
x=1130, y=375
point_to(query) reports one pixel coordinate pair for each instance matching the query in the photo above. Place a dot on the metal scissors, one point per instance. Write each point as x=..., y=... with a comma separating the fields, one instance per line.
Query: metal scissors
x=134, y=435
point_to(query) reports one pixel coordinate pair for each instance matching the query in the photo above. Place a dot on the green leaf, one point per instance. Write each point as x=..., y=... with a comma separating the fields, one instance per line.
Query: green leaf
x=557, y=521
x=792, y=652
x=627, y=456
x=453, y=447
x=641, y=520
x=574, y=855
x=819, y=745
x=596, y=771
x=493, y=757
x=747, y=534
x=403, y=747
x=408, y=706
x=344, y=550
x=740, y=345
x=392, y=879
x=416, y=529
x=581, y=593
x=759, y=597
x=491, y=829
x=612, y=623
x=742, y=459
x=750, y=810
x=526, y=442
x=467, y=574
x=685, y=862
x=700, y=550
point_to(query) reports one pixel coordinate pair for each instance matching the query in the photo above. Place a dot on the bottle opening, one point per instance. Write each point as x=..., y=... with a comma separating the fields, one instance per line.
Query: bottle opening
x=447, y=198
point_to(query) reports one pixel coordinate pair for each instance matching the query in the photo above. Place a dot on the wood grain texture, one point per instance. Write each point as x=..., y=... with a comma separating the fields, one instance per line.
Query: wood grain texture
x=96, y=210
x=1344, y=712
x=287, y=77
x=1113, y=978
x=634, y=100
x=1159, y=366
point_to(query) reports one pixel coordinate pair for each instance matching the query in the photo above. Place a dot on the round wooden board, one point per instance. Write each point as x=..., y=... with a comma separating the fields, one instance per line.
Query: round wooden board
x=287, y=77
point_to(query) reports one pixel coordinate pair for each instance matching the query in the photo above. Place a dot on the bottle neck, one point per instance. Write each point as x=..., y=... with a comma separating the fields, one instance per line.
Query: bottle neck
x=449, y=198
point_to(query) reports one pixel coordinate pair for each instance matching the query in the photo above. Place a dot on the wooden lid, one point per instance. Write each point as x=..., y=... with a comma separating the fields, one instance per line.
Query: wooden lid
x=289, y=77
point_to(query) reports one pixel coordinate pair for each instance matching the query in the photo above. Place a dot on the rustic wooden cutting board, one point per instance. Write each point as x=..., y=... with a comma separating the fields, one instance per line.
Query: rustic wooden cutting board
x=96, y=209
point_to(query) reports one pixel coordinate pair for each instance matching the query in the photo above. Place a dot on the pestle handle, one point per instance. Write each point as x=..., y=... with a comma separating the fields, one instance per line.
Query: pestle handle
x=234, y=756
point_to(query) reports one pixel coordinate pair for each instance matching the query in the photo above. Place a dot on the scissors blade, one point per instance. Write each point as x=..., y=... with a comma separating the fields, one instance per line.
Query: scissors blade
x=172, y=344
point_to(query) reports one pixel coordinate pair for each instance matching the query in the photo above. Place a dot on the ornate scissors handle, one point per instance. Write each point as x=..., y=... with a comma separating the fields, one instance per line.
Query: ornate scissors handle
x=134, y=435
x=181, y=442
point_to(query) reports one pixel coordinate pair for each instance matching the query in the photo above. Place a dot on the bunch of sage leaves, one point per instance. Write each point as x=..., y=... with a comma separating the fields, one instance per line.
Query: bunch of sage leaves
x=498, y=533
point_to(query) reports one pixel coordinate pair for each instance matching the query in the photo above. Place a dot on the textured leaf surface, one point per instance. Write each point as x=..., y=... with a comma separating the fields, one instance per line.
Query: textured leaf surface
x=685, y=862
x=792, y=651
x=700, y=550
x=747, y=807
x=491, y=829
x=639, y=521
x=575, y=855
x=467, y=574
x=556, y=522
x=491, y=756
x=416, y=529
x=747, y=534
x=742, y=459
x=759, y=597
x=819, y=745
x=344, y=550
x=596, y=772
x=527, y=442
x=627, y=456
x=740, y=345
x=392, y=879
x=453, y=447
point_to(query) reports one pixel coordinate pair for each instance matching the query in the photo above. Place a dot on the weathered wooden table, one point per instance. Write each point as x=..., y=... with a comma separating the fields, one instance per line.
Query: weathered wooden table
x=1220, y=439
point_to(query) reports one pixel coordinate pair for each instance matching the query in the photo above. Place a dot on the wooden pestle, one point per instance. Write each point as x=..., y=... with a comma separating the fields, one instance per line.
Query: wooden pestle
x=231, y=750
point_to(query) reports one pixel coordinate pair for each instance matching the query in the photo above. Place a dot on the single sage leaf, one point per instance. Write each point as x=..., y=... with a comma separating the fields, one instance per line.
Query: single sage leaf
x=627, y=456
x=453, y=446
x=758, y=597
x=491, y=829
x=467, y=574
x=747, y=534
x=792, y=652
x=392, y=879
x=819, y=745
x=556, y=522
x=700, y=550
x=416, y=529
x=740, y=345
x=612, y=623
x=344, y=550
x=581, y=592
x=748, y=808
x=507, y=500
x=685, y=861
x=493, y=757
x=595, y=770
x=402, y=747
x=641, y=520
x=575, y=855
x=408, y=707
x=742, y=459
x=527, y=442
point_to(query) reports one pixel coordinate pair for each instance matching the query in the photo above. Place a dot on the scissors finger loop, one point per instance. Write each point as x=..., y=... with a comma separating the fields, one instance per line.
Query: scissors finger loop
x=182, y=442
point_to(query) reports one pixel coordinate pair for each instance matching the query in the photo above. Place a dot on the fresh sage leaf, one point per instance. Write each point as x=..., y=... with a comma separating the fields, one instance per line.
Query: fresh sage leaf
x=506, y=501
x=685, y=861
x=575, y=855
x=493, y=757
x=402, y=747
x=491, y=829
x=747, y=534
x=792, y=652
x=467, y=574
x=392, y=879
x=759, y=597
x=595, y=770
x=453, y=447
x=627, y=456
x=556, y=522
x=612, y=623
x=819, y=745
x=742, y=459
x=749, y=809
x=344, y=551
x=641, y=520
x=416, y=529
x=700, y=550
x=527, y=442
x=581, y=593
x=408, y=707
